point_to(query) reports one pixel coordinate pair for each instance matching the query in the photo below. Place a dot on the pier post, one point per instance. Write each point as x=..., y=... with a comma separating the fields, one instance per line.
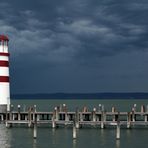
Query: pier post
x=56, y=113
x=118, y=130
x=66, y=118
x=133, y=115
x=128, y=120
x=53, y=123
x=146, y=114
x=29, y=116
x=103, y=118
x=114, y=116
x=113, y=109
x=19, y=109
x=77, y=118
x=146, y=108
x=94, y=115
x=74, y=130
x=142, y=108
x=34, y=108
x=35, y=131
x=145, y=118
x=53, y=120
x=81, y=116
x=34, y=111
x=35, y=127
x=6, y=121
x=11, y=110
x=134, y=108
x=64, y=107
x=38, y=117
x=13, y=115
x=2, y=117
x=100, y=108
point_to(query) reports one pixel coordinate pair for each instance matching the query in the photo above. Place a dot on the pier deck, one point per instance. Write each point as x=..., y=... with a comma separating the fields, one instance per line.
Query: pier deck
x=61, y=116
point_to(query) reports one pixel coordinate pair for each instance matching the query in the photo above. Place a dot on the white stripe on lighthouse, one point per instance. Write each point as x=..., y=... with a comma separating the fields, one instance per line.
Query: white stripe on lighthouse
x=4, y=58
x=4, y=71
x=4, y=92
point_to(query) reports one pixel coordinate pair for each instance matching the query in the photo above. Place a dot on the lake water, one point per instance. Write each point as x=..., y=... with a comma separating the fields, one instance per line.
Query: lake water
x=22, y=137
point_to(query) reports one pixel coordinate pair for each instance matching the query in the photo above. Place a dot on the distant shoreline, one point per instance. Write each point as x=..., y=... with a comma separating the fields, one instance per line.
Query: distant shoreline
x=81, y=96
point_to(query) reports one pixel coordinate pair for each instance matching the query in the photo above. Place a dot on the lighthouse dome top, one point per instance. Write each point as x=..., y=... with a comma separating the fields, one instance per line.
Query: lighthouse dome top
x=4, y=38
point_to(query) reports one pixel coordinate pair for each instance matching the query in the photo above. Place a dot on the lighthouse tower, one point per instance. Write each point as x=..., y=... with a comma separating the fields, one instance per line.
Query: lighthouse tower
x=4, y=75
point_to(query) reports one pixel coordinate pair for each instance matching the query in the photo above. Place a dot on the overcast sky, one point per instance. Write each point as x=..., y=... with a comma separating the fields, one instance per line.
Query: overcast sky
x=76, y=45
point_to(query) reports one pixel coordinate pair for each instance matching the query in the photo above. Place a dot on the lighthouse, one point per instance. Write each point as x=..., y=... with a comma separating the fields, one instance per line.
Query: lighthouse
x=4, y=75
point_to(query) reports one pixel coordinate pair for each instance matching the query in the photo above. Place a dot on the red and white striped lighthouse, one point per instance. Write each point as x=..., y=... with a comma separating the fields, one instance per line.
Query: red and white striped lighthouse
x=4, y=74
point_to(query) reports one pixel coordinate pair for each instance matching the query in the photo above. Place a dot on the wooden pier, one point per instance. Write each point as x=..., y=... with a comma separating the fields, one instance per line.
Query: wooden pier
x=79, y=118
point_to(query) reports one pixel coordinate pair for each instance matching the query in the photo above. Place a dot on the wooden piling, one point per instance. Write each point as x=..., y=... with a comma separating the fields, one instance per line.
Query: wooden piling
x=113, y=109
x=53, y=123
x=53, y=120
x=35, y=127
x=29, y=116
x=142, y=108
x=64, y=107
x=146, y=108
x=103, y=118
x=135, y=105
x=128, y=120
x=19, y=109
x=74, y=131
x=35, y=131
x=10, y=113
x=94, y=115
x=145, y=118
x=34, y=114
x=74, y=127
x=56, y=112
x=81, y=116
x=66, y=118
x=6, y=121
x=2, y=117
x=118, y=130
x=133, y=115
x=100, y=108
x=77, y=118
x=35, y=108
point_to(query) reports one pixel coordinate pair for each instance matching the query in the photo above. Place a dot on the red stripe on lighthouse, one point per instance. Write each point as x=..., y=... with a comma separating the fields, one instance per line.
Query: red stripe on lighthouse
x=4, y=79
x=4, y=54
x=4, y=64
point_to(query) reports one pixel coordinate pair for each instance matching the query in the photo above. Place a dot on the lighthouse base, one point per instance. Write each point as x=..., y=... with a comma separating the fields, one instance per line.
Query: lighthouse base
x=3, y=108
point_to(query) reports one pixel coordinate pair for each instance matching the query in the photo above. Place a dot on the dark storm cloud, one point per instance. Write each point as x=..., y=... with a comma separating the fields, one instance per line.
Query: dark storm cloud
x=78, y=33
x=78, y=28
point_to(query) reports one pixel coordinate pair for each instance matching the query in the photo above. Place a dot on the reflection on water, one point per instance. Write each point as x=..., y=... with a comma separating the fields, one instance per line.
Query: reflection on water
x=53, y=136
x=53, y=131
x=102, y=136
x=117, y=143
x=5, y=137
x=74, y=143
x=34, y=143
